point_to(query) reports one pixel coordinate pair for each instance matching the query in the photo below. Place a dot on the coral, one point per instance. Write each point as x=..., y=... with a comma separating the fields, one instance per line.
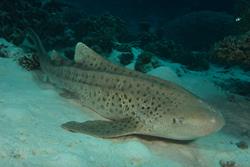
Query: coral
x=146, y=61
x=233, y=50
x=29, y=62
x=60, y=25
x=45, y=17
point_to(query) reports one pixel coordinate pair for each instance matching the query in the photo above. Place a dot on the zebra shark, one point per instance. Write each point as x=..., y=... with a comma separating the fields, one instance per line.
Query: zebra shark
x=130, y=102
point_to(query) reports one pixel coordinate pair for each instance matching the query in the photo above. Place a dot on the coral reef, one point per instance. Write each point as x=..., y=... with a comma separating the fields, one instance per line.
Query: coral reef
x=60, y=25
x=233, y=50
x=19, y=14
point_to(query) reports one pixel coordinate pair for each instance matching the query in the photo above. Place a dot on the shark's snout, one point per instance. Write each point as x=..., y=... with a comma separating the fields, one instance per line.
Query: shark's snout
x=215, y=122
x=211, y=121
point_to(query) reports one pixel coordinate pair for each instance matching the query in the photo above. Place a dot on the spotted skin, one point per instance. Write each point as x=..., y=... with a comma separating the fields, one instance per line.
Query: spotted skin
x=114, y=96
x=131, y=102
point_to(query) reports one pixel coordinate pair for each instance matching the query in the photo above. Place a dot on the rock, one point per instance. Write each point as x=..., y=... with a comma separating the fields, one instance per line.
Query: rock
x=126, y=58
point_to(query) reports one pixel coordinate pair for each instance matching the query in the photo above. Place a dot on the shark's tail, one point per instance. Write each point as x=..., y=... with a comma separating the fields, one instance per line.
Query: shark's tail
x=38, y=46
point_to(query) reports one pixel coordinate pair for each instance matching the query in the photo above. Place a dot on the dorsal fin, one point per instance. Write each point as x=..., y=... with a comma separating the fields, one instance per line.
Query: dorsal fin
x=84, y=54
x=88, y=59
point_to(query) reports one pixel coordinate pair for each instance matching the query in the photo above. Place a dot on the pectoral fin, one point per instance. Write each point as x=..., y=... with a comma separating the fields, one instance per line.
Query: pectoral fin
x=100, y=128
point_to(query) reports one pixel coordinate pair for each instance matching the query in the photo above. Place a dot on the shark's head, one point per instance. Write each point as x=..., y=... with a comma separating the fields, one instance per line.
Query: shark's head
x=189, y=120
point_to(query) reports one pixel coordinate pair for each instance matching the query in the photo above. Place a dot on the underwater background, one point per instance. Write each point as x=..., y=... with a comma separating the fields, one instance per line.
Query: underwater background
x=201, y=45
